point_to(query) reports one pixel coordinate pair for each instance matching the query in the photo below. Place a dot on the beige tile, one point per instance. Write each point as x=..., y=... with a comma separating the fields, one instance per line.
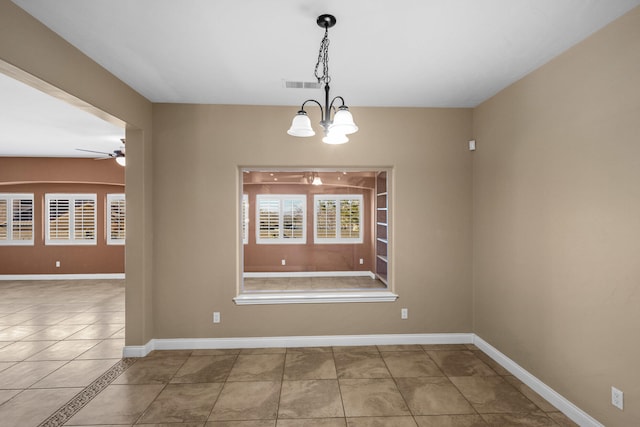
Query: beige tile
x=205, y=369
x=151, y=371
x=460, y=363
x=312, y=422
x=451, y=421
x=491, y=363
x=241, y=401
x=433, y=396
x=410, y=364
x=309, y=366
x=561, y=419
x=119, y=334
x=356, y=349
x=257, y=367
x=107, y=349
x=5, y=365
x=14, y=320
x=117, y=404
x=50, y=318
x=381, y=422
x=7, y=394
x=403, y=347
x=22, y=350
x=252, y=423
x=310, y=350
x=25, y=374
x=268, y=350
x=64, y=350
x=310, y=399
x=96, y=332
x=539, y=401
x=216, y=352
x=492, y=395
x=372, y=397
x=169, y=353
x=183, y=403
x=56, y=332
x=16, y=333
x=76, y=373
x=519, y=420
x=31, y=407
x=360, y=365
x=444, y=347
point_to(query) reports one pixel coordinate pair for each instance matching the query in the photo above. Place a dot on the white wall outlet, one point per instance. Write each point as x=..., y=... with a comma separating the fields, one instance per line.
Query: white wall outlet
x=617, y=398
x=404, y=313
x=472, y=145
x=57, y=263
x=361, y=261
x=284, y=262
x=216, y=317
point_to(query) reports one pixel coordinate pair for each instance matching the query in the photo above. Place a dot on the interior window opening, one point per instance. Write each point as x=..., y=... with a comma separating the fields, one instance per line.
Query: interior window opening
x=314, y=230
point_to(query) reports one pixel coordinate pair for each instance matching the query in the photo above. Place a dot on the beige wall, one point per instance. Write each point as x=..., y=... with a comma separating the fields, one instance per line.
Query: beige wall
x=197, y=152
x=556, y=204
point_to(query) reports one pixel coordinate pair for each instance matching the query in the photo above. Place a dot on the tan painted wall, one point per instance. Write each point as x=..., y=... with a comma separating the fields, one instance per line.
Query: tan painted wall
x=40, y=176
x=197, y=152
x=32, y=53
x=556, y=204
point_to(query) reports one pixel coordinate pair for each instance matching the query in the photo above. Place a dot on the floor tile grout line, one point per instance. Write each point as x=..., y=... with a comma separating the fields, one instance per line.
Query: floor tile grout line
x=82, y=398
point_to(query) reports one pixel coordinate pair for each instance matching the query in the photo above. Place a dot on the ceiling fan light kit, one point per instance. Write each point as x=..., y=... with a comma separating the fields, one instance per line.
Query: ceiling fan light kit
x=342, y=124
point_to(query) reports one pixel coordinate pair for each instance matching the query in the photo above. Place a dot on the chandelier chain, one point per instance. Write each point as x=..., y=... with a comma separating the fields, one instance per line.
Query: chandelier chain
x=323, y=58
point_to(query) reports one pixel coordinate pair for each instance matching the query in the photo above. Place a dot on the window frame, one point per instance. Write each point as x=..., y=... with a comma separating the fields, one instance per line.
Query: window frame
x=338, y=199
x=71, y=198
x=10, y=198
x=115, y=197
x=282, y=198
x=245, y=219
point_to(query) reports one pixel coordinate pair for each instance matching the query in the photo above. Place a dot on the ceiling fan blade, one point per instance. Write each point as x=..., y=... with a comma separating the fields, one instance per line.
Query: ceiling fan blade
x=92, y=151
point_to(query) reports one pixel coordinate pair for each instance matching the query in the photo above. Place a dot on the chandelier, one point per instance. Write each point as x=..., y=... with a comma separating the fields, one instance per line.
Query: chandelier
x=336, y=130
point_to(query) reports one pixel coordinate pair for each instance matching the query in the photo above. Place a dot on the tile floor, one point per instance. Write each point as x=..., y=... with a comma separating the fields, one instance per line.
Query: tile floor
x=52, y=361
x=252, y=284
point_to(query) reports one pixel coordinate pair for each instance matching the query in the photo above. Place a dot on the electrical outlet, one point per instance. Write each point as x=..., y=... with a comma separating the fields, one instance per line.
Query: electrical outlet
x=361, y=261
x=284, y=262
x=404, y=313
x=216, y=317
x=57, y=263
x=617, y=398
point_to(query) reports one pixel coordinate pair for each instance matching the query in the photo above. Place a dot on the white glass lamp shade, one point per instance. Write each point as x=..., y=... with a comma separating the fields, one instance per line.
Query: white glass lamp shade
x=335, y=138
x=343, y=122
x=121, y=161
x=301, y=125
x=316, y=181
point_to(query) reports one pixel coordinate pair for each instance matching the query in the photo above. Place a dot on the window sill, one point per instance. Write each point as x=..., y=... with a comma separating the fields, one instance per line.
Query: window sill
x=314, y=297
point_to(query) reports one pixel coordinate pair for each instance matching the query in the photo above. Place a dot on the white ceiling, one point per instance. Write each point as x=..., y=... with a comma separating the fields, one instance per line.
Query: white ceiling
x=417, y=53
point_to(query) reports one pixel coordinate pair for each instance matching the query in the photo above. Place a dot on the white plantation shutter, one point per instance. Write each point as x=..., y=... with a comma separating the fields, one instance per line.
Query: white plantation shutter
x=71, y=219
x=280, y=219
x=116, y=214
x=338, y=218
x=16, y=219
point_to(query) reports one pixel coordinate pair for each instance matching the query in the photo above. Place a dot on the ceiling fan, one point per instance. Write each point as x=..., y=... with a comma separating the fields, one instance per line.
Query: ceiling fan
x=118, y=155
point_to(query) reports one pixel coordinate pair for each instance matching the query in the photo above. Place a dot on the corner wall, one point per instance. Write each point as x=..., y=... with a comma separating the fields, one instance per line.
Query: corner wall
x=556, y=229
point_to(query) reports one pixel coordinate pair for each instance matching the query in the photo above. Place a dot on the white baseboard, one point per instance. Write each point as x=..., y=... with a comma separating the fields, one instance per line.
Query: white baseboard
x=299, y=341
x=96, y=276
x=274, y=274
x=565, y=406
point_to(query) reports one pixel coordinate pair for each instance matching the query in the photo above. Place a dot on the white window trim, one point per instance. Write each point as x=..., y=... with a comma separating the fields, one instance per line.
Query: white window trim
x=113, y=198
x=282, y=240
x=245, y=219
x=71, y=240
x=10, y=197
x=337, y=198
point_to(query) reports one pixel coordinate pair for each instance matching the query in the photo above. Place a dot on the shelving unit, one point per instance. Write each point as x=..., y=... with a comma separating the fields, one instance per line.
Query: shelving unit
x=382, y=227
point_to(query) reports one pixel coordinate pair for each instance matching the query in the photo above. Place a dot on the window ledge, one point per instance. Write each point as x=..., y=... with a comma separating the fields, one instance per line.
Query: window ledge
x=314, y=297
